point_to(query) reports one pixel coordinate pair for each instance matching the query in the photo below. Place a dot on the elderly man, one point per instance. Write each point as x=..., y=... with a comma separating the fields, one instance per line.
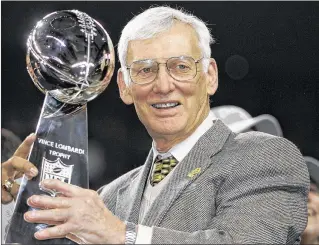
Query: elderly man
x=201, y=183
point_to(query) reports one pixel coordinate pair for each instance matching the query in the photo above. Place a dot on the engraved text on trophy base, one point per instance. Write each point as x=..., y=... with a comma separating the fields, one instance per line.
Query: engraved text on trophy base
x=59, y=154
x=60, y=147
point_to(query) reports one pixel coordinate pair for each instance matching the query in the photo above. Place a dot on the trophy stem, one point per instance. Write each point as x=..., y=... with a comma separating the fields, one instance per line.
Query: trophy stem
x=59, y=152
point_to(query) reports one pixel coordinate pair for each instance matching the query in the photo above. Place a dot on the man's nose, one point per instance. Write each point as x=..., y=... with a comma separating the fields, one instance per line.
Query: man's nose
x=163, y=83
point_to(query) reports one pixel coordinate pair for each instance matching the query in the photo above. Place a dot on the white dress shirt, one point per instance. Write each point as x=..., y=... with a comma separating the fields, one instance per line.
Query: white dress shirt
x=179, y=151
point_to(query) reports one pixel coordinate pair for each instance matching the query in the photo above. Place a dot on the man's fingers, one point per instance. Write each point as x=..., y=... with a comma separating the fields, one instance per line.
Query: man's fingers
x=24, y=149
x=75, y=238
x=64, y=188
x=58, y=231
x=40, y=216
x=21, y=165
x=14, y=190
x=6, y=197
x=48, y=202
x=50, y=222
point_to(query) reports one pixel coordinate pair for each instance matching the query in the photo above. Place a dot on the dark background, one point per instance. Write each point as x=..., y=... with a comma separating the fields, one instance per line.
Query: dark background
x=277, y=40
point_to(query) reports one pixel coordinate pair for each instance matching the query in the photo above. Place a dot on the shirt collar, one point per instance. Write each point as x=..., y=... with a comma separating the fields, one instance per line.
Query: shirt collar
x=180, y=150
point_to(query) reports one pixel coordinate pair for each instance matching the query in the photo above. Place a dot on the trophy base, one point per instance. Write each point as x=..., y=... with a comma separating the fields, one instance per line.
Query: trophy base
x=59, y=152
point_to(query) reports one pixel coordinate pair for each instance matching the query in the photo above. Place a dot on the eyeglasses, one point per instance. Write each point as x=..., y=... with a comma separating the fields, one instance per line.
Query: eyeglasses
x=182, y=69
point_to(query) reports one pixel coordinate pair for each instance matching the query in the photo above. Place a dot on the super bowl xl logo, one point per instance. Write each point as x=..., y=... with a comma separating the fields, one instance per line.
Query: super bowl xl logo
x=56, y=170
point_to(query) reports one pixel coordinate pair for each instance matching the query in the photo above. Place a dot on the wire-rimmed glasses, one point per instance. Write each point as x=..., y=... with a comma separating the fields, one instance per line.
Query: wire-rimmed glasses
x=182, y=68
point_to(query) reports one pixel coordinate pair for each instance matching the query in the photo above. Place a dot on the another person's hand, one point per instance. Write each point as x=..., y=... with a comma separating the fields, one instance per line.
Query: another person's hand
x=78, y=214
x=311, y=233
x=15, y=167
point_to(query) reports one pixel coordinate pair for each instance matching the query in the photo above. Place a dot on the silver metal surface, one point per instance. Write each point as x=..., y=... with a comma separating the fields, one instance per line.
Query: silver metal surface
x=71, y=56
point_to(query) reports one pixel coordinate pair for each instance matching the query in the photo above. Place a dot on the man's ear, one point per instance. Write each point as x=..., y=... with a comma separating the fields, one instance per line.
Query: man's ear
x=125, y=91
x=212, y=77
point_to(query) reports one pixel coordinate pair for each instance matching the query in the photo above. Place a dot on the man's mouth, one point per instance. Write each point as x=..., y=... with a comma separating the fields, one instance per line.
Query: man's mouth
x=165, y=105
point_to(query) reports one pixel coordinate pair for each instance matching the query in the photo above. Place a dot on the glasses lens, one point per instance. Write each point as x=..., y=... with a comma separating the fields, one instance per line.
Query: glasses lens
x=182, y=68
x=143, y=71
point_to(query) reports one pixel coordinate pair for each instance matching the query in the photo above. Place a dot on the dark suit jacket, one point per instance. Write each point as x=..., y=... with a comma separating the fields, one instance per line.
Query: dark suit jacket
x=230, y=188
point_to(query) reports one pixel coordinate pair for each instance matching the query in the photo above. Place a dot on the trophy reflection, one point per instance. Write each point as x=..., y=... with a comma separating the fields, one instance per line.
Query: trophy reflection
x=70, y=58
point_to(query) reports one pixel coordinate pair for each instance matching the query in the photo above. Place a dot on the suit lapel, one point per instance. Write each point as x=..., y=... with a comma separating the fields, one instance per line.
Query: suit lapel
x=129, y=197
x=187, y=171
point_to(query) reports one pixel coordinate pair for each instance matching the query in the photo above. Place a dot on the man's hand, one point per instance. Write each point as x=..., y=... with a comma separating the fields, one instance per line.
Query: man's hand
x=78, y=214
x=311, y=233
x=15, y=167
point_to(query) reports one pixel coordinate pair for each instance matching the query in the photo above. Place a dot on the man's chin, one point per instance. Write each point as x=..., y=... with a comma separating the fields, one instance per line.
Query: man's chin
x=169, y=129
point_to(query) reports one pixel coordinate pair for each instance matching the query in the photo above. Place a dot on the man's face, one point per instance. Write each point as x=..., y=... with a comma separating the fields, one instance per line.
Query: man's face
x=177, y=122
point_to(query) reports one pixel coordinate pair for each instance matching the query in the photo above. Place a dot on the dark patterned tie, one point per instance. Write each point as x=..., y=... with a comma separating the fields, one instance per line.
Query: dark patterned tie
x=161, y=168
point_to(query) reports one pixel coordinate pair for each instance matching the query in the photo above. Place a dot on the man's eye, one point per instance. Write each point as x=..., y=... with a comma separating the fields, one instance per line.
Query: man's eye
x=146, y=70
x=143, y=71
x=182, y=67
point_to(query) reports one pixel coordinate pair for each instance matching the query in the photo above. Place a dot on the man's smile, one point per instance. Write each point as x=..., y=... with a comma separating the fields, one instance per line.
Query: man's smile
x=166, y=108
x=165, y=105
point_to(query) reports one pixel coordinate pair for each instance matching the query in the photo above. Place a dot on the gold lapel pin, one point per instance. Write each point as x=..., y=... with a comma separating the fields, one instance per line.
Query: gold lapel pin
x=194, y=172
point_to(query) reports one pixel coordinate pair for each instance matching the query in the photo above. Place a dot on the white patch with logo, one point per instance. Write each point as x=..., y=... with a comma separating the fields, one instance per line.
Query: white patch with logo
x=55, y=170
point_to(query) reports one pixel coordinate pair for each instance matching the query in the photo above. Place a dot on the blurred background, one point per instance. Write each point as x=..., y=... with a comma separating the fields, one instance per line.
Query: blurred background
x=267, y=54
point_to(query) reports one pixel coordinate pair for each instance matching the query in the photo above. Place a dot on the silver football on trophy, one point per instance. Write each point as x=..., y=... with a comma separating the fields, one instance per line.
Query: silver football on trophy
x=70, y=56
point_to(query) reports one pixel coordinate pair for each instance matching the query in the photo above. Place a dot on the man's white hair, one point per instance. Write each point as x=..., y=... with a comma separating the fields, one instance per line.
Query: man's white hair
x=156, y=20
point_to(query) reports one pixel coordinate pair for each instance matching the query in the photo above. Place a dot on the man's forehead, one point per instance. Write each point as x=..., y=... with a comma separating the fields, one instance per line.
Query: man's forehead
x=180, y=39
